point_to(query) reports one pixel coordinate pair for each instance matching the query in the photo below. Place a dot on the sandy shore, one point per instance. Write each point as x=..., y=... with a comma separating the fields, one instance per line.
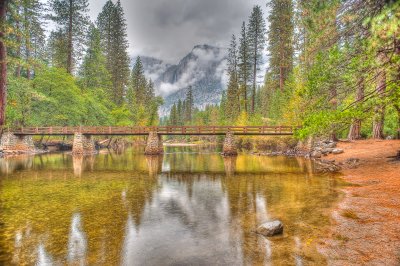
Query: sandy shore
x=366, y=224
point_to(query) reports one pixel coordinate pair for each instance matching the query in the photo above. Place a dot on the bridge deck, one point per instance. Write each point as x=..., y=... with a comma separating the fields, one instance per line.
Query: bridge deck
x=162, y=130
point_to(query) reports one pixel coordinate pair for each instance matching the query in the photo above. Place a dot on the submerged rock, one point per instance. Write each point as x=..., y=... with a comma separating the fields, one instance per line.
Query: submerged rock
x=270, y=228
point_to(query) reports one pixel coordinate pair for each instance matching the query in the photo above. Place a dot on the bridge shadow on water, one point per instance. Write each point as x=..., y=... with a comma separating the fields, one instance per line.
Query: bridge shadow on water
x=188, y=206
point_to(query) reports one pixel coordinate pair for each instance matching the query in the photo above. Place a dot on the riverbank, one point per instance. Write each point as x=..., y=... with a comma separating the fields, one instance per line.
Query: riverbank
x=366, y=224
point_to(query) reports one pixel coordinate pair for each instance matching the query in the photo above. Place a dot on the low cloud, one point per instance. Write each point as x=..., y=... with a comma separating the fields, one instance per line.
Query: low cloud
x=167, y=29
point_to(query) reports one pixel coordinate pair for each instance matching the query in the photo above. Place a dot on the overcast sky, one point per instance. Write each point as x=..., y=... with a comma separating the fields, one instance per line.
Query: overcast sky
x=168, y=29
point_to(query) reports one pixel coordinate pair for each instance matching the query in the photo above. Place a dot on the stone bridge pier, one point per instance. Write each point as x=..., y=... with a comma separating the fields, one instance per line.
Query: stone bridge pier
x=83, y=144
x=11, y=143
x=154, y=144
x=229, y=148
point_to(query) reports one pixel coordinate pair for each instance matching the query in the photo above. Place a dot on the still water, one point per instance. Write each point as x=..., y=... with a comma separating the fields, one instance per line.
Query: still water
x=188, y=207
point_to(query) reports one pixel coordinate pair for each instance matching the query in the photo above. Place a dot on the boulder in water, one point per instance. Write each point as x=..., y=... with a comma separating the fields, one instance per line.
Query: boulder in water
x=270, y=228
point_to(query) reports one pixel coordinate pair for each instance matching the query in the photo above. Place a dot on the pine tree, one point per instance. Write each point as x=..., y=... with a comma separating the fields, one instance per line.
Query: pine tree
x=179, y=110
x=280, y=41
x=138, y=83
x=150, y=93
x=57, y=54
x=173, y=117
x=112, y=26
x=93, y=73
x=256, y=43
x=189, y=107
x=233, y=93
x=72, y=20
x=244, y=65
x=34, y=36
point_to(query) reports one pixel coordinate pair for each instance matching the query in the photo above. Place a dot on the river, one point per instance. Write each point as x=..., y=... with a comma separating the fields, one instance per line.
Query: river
x=188, y=207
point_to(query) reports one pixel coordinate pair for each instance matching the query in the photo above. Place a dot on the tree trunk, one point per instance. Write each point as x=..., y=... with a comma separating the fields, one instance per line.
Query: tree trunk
x=3, y=63
x=398, y=120
x=355, y=128
x=281, y=71
x=253, y=96
x=334, y=103
x=69, y=60
x=18, y=55
x=27, y=44
x=379, y=118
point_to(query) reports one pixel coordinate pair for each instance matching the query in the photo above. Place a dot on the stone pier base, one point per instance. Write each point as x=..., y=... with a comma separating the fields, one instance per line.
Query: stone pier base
x=11, y=143
x=154, y=144
x=229, y=148
x=83, y=144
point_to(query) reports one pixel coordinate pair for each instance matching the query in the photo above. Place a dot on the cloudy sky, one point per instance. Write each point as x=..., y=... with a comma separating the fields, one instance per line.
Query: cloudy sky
x=168, y=29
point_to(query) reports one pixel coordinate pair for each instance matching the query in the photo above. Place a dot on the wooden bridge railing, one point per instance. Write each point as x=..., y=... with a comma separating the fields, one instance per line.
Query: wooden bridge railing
x=163, y=130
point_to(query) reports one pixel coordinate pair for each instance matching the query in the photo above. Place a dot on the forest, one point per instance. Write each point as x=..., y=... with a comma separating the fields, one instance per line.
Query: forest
x=79, y=74
x=333, y=69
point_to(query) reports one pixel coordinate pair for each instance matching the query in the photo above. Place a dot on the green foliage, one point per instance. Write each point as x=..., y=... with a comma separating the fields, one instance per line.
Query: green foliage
x=121, y=116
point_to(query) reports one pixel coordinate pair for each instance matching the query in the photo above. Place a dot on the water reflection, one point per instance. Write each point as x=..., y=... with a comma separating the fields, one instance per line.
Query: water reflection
x=180, y=208
x=130, y=234
x=76, y=242
x=154, y=164
x=44, y=258
x=77, y=163
x=230, y=165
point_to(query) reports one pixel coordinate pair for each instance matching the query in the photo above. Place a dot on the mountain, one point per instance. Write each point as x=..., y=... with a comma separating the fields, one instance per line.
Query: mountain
x=204, y=68
x=153, y=67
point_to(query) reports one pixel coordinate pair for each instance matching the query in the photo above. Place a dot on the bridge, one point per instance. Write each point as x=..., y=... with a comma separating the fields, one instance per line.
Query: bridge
x=20, y=139
x=161, y=130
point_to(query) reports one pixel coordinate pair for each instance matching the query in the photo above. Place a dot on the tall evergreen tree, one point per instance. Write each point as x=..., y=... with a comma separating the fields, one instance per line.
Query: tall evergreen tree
x=93, y=73
x=138, y=83
x=256, y=43
x=33, y=35
x=244, y=65
x=112, y=25
x=179, y=110
x=189, y=108
x=72, y=20
x=280, y=41
x=57, y=54
x=173, y=117
x=233, y=94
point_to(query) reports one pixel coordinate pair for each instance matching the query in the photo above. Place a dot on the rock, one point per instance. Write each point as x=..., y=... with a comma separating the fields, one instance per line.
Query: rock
x=337, y=151
x=328, y=161
x=316, y=154
x=327, y=150
x=325, y=166
x=330, y=145
x=270, y=228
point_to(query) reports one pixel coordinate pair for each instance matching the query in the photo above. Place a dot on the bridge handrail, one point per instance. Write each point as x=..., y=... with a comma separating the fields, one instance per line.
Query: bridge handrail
x=146, y=129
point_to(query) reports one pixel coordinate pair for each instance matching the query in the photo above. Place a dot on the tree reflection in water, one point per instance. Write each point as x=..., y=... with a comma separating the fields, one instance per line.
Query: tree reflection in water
x=181, y=208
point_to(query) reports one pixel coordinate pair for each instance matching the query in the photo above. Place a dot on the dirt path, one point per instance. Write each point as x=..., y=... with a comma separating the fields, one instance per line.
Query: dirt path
x=366, y=228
